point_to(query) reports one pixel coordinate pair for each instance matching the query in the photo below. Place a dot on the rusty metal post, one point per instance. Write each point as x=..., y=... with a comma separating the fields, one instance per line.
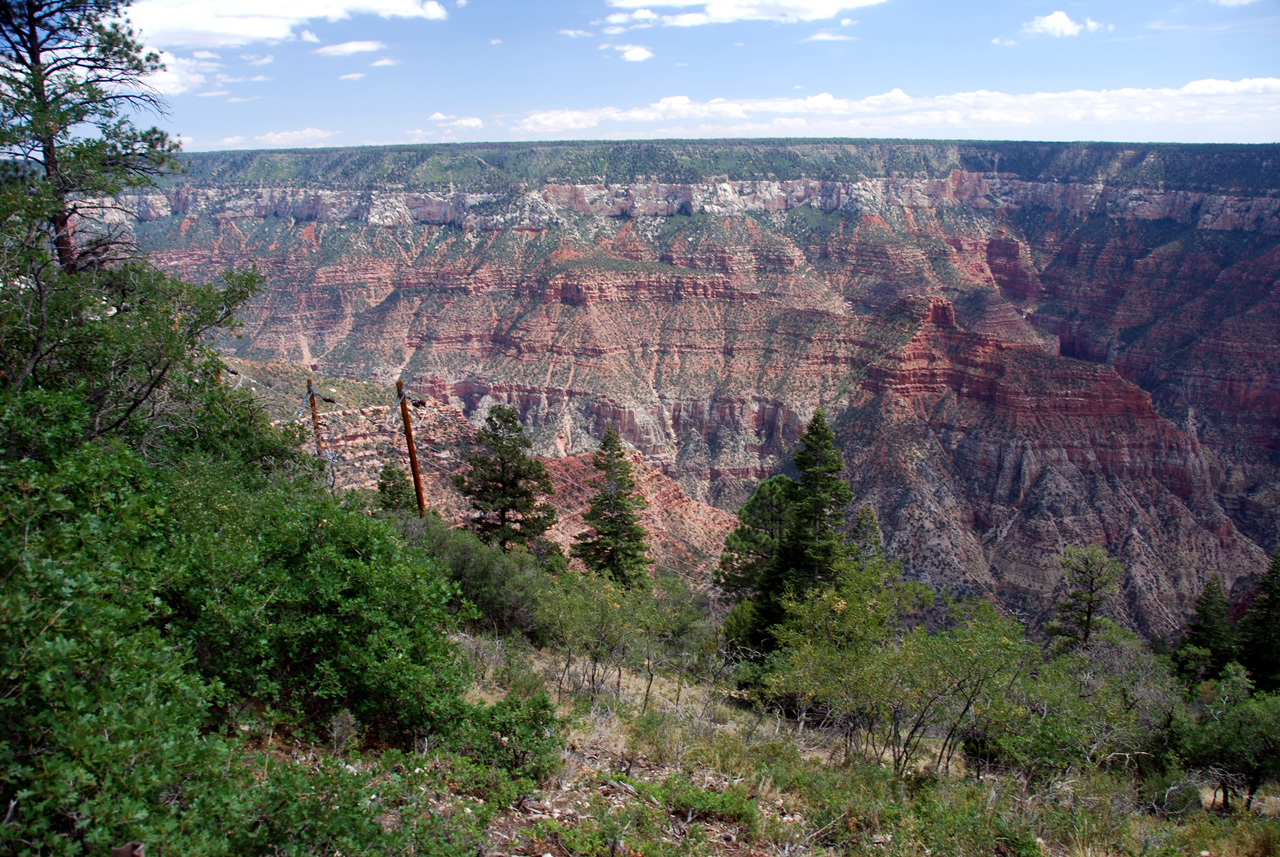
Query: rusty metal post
x=413, y=451
x=315, y=417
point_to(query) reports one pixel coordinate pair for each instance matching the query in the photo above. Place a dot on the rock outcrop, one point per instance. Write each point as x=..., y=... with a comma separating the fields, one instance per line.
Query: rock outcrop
x=1022, y=345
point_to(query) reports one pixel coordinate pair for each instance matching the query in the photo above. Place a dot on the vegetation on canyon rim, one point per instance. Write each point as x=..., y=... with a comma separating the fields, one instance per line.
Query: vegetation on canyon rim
x=203, y=649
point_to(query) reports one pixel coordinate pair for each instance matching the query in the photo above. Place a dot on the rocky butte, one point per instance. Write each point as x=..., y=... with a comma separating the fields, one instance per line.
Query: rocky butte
x=1021, y=345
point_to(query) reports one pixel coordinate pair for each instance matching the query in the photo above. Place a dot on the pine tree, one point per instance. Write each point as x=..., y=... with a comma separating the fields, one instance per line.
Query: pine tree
x=395, y=492
x=753, y=545
x=615, y=545
x=1209, y=642
x=864, y=536
x=66, y=67
x=1259, y=631
x=813, y=544
x=1092, y=577
x=504, y=484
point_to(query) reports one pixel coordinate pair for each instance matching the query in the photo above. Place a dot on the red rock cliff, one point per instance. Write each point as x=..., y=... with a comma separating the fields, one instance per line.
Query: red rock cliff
x=1016, y=360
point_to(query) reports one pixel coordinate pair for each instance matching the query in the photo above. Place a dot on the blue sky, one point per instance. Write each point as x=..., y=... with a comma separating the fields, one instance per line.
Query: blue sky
x=264, y=73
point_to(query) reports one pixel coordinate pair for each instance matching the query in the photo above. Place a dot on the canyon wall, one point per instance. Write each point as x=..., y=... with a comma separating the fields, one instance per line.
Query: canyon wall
x=1022, y=346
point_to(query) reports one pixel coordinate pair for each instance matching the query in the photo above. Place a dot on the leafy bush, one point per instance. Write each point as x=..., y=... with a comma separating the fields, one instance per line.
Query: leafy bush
x=142, y=606
x=519, y=737
x=500, y=586
x=294, y=599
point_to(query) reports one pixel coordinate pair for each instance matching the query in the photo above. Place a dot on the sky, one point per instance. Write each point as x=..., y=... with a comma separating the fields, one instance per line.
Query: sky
x=246, y=74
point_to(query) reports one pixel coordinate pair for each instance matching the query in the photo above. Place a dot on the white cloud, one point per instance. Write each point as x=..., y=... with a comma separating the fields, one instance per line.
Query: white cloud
x=182, y=74
x=205, y=55
x=451, y=121
x=1202, y=110
x=847, y=22
x=216, y=23
x=576, y=34
x=729, y=11
x=212, y=93
x=346, y=49
x=305, y=137
x=630, y=53
x=1059, y=24
x=634, y=53
x=830, y=37
x=308, y=36
x=257, y=60
x=495, y=41
x=355, y=75
x=1233, y=2
x=241, y=99
x=1003, y=42
x=231, y=141
x=385, y=61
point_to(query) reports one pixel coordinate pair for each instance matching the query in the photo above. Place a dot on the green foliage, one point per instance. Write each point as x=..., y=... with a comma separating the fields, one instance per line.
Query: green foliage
x=1208, y=644
x=864, y=535
x=616, y=543
x=1234, y=732
x=589, y=618
x=1092, y=578
x=125, y=337
x=395, y=491
x=504, y=484
x=734, y=805
x=502, y=588
x=110, y=697
x=753, y=544
x=517, y=736
x=89, y=690
x=1104, y=704
x=1259, y=631
x=790, y=538
x=296, y=599
x=814, y=542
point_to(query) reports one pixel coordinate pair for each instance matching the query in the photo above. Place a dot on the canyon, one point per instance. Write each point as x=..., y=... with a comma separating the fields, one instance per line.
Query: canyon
x=1021, y=346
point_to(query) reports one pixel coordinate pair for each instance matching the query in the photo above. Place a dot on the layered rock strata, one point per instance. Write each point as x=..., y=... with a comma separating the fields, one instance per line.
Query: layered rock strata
x=1022, y=345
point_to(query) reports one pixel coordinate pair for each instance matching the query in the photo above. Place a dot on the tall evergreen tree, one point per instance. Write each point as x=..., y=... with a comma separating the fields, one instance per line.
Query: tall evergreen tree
x=395, y=492
x=864, y=535
x=813, y=543
x=1208, y=644
x=67, y=66
x=504, y=484
x=1259, y=631
x=753, y=545
x=615, y=545
x=1092, y=577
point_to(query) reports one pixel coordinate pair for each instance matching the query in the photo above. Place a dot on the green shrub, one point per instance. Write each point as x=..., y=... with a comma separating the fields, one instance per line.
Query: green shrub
x=519, y=736
x=291, y=598
x=734, y=804
x=502, y=587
